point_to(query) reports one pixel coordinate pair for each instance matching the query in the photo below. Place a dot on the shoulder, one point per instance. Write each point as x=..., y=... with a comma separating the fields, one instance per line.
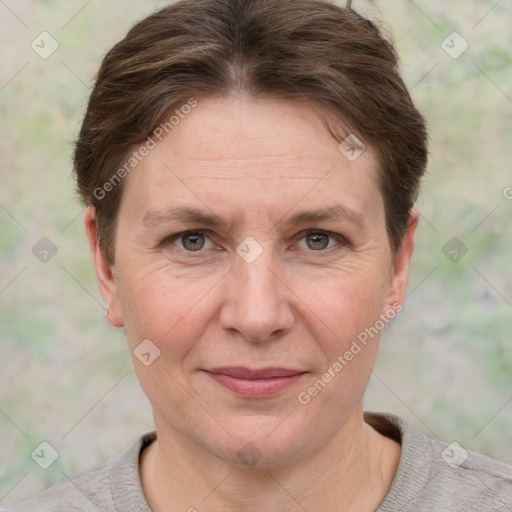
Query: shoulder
x=84, y=491
x=96, y=488
x=470, y=479
x=434, y=475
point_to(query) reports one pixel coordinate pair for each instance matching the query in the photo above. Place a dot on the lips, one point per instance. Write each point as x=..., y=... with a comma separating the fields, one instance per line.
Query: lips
x=241, y=372
x=255, y=383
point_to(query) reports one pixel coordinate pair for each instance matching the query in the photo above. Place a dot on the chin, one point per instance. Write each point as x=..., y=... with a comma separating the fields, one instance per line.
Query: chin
x=260, y=441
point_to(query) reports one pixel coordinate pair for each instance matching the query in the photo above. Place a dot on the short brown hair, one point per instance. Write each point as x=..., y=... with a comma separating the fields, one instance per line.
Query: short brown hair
x=312, y=50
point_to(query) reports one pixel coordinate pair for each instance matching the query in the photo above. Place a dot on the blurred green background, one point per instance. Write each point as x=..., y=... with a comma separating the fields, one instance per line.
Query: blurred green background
x=445, y=362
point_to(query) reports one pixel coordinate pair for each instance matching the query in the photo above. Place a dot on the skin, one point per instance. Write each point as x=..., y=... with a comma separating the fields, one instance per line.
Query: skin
x=256, y=162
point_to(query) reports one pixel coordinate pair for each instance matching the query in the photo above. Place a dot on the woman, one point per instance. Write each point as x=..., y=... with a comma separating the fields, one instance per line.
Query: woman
x=250, y=169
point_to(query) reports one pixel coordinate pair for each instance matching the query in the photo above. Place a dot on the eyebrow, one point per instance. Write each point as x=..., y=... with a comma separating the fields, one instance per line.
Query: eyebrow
x=195, y=216
x=337, y=213
x=185, y=215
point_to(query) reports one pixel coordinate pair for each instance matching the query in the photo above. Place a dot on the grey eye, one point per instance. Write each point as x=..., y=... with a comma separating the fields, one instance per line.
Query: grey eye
x=193, y=241
x=317, y=241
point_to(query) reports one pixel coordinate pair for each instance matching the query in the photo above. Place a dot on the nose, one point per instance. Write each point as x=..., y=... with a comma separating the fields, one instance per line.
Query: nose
x=258, y=303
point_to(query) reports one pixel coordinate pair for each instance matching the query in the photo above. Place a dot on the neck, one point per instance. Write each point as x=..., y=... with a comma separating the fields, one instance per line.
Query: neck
x=352, y=472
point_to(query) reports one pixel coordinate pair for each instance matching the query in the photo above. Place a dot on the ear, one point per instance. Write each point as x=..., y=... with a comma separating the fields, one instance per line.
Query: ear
x=104, y=271
x=401, y=261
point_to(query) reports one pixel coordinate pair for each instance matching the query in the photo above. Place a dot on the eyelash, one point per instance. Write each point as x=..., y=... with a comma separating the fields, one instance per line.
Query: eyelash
x=342, y=241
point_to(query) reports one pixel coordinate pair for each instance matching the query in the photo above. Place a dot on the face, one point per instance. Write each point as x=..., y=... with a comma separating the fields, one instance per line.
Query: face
x=252, y=254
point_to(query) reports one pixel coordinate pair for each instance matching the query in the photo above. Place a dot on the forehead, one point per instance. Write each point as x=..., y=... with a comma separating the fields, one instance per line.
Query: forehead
x=259, y=153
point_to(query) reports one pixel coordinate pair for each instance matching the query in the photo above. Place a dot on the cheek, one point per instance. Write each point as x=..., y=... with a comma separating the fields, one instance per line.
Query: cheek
x=172, y=313
x=346, y=300
x=163, y=307
x=346, y=312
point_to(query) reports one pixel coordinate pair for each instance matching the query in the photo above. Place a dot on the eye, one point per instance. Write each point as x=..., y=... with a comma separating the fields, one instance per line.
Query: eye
x=320, y=240
x=197, y=241
x=191, y=241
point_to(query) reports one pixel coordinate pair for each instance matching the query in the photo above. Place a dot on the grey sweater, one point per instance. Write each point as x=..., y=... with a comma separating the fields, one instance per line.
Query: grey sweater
x=432, y=476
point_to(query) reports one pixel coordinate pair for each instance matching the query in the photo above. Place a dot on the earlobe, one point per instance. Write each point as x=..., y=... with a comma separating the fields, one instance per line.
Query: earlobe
x=401, y=262
x=113, y=314
x=104, y=271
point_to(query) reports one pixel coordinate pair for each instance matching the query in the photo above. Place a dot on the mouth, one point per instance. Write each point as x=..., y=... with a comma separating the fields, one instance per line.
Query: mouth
x=255, y=383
